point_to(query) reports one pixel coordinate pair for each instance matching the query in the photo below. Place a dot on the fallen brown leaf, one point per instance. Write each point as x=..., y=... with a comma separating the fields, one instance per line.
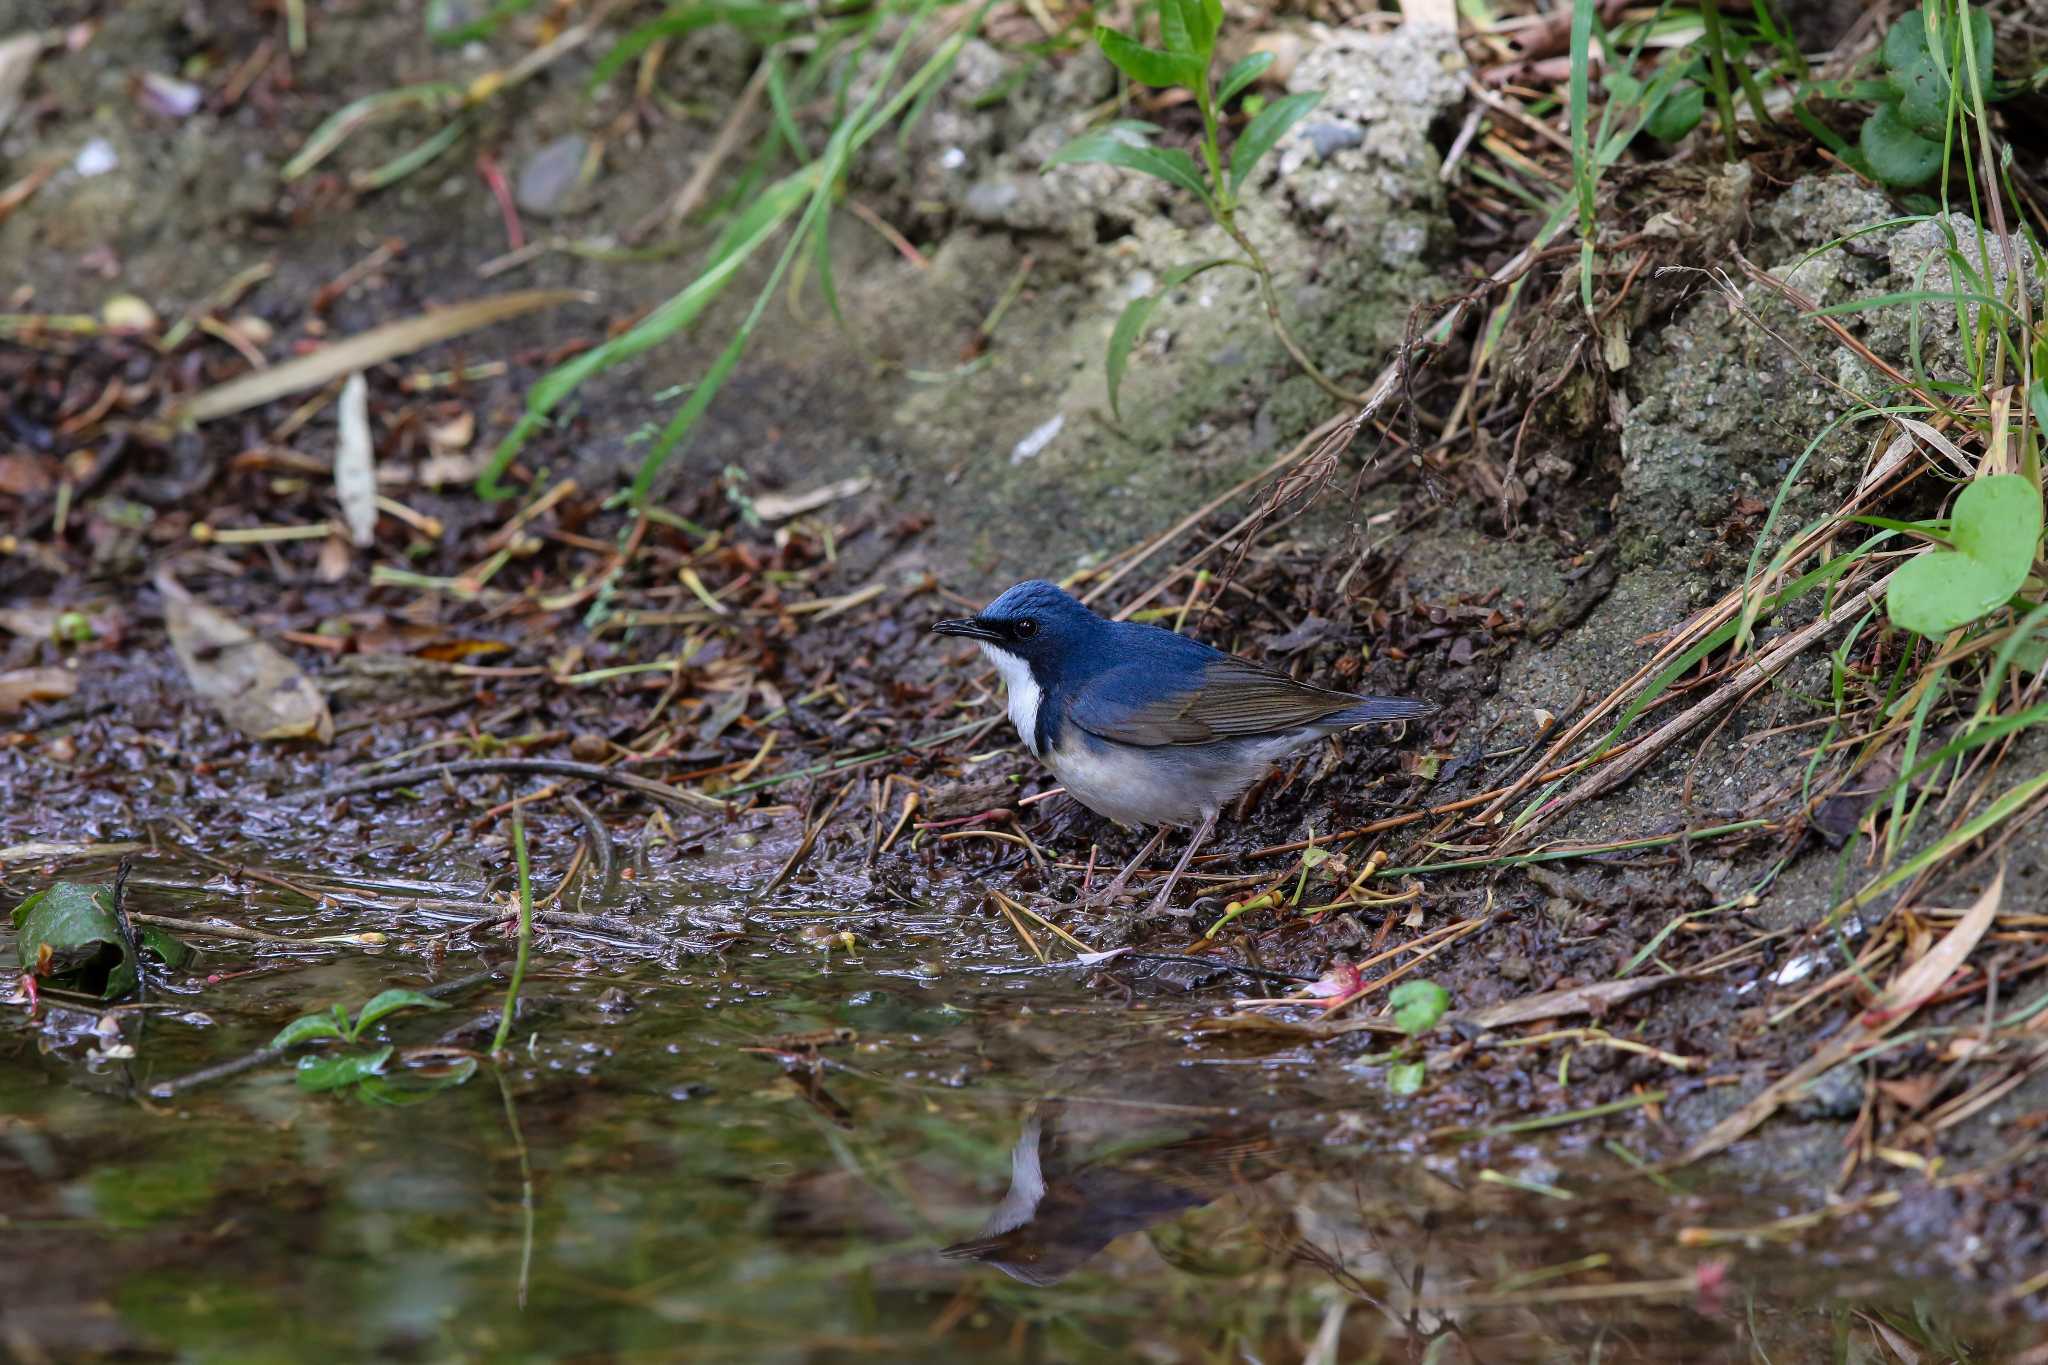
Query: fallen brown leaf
x=24, y=685
x=256, y=689
x=365, y=349
x=1596, y=998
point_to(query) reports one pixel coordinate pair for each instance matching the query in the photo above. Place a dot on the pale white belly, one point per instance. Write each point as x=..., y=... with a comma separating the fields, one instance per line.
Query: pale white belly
x=1165, y=786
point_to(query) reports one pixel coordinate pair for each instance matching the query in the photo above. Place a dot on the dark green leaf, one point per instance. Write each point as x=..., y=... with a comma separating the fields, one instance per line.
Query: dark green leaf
x=1148, y=65
x=391, y=1002
x=1242, y=75
x=307, y=1027
x=1677, y=114
x=1262, y=132
x=1405, y=1078
x=68, y=932
x=174, y=951
x=1122, y=144
x=1897, y=155
x=1923, y=76
x=1130, y=325
x=1418, y=1005
x=2037, y=399
x=1995, y=530
x=332, y=1073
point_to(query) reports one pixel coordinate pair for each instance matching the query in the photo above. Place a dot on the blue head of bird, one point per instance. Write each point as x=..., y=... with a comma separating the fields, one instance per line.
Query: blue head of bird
x=1037, y=636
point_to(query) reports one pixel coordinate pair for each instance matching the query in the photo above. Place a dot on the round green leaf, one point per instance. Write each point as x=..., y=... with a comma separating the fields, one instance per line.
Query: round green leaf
x=1677, y=114
x=1921, y=73
x=1405, y=1078
x=1897, y=155
x=74, y=922
x=1995, y=530
x=1418, y=1005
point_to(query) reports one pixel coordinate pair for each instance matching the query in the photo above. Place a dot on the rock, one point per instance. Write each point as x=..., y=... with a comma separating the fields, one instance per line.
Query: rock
x=1837, y=1094
x=552, y=175
x=1331, y=138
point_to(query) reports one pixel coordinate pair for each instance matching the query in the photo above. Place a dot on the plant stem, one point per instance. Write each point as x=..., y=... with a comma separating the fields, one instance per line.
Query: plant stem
x=1279, y=324
x=525, y=932
x=1225, y=201
x=1717, y=67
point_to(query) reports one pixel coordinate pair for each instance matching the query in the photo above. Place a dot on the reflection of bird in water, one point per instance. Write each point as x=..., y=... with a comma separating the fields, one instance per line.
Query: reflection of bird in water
x=1065, y=1202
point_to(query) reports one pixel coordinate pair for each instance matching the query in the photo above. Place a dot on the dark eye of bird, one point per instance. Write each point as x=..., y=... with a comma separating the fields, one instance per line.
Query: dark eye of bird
x=1025, y=629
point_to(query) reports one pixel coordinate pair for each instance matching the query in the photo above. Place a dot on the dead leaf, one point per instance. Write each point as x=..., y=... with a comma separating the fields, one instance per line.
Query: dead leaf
x=24, y=685
x=365, y=349
x=17, y=59
x=334, y=559
x=1909, y=990
x=23, y=474
x=355, y=463
x=783, y=506
x=256, y=689
x=1597, y=998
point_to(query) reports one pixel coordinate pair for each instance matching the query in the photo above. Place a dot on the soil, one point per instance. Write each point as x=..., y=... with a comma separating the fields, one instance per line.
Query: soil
x=715, y=1162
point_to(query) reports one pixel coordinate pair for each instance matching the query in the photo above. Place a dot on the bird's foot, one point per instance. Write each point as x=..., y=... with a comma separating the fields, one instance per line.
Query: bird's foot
x=1106, y=897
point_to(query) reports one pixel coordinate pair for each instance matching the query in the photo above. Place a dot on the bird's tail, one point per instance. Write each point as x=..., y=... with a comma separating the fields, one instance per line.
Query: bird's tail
x=1371, y=709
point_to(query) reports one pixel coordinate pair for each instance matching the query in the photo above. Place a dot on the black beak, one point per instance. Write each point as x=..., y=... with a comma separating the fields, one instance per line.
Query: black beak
x=967, y=628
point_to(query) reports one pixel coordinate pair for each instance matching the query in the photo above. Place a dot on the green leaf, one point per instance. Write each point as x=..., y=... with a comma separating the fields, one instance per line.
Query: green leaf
x=2037, y=399
x=1995, y=529
x=1190, y=26
x=1130, y=325
x=307, y=1027
x=1897, y=155
x=1148, y=65
x=1262, y=132
x=68, y=932
x=333, y=1073
x=1622, y=88
x=1405, y=1078
x=1174, y=34
x=174, y=951
x=1123, y=144
x=1921, y=74
x=1677, y=113
x=1242, y=75
x=391, y=1002
x=1418, y=1005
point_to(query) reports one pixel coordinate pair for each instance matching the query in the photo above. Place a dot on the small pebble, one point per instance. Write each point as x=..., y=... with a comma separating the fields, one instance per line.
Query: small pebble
x=550, y=175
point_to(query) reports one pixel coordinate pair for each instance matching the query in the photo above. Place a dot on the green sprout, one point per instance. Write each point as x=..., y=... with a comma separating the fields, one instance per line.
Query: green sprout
x=1187, y=51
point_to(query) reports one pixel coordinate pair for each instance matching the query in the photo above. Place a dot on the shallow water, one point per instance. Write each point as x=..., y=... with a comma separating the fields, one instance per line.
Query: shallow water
x=918, y=1146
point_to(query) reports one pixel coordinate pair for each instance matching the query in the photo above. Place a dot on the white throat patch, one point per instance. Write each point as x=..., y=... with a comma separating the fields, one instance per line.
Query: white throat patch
x=1023, y=690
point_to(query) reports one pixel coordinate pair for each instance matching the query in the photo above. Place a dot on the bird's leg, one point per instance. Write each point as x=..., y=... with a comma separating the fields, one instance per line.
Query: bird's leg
x=1108, y=895
x=1201, y=836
